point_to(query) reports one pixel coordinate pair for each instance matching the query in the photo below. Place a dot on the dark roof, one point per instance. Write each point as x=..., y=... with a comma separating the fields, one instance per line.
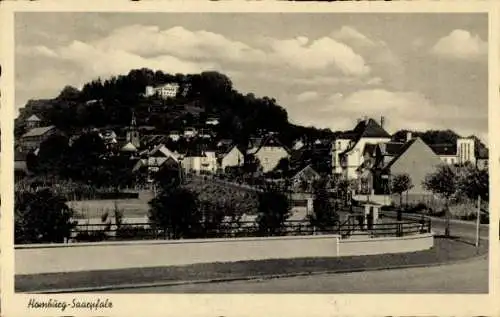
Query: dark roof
x=402, y=150
x=346, y=135
x=444, y=149
x=194, y=153
x=391, y=148
x=370, y=129
x=269, y=141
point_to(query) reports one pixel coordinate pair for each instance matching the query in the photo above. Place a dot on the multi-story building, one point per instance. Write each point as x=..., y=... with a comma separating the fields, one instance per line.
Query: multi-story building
x=348, y=149
x=269, y=151
x=165, y=91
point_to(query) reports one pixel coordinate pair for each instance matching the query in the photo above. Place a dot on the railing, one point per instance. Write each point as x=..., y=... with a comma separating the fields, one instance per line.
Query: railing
x=235, y=229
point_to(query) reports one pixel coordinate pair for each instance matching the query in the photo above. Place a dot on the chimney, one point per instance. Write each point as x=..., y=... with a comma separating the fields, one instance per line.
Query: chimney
x=365, y=118
x=382, y=121
x=408, y=136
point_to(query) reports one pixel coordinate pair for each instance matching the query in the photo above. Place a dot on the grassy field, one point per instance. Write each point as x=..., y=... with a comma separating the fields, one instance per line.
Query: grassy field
x=444, y=250
x=133, y=208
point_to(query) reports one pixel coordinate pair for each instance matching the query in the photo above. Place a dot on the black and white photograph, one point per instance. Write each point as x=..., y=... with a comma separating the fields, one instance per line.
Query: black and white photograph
x=170, y=153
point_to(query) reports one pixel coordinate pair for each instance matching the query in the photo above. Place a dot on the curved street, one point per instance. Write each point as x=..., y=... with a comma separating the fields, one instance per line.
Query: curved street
x=466, y=277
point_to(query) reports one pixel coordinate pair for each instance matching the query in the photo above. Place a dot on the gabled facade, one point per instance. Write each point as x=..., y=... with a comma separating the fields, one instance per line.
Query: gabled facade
x=348, y=150
x=269, y=152
x=232, y=157
x=32, y=139
x=200, y=161
x=33, y=122
x=303, y=180
x=415, y=158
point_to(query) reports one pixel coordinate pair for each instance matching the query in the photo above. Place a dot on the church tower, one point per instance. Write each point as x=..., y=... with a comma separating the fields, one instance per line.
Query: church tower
x=132, y=133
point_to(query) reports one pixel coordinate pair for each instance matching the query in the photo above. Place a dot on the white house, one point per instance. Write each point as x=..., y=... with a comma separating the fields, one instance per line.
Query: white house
x=212, y=121
x=190, y=132
x=348, y=148
x=198, y=161
x=33, y=122
x=174, y=135
x=209, y=162
x=165, y=91
x=231, y=157
x=269, y=152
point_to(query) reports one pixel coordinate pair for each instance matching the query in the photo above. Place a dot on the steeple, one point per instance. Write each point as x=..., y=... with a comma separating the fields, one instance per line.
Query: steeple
x=132, y=132
x=133, y=123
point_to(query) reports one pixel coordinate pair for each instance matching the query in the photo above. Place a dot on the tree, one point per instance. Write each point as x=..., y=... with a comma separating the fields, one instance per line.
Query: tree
x=53, y=155
x=401, y=183
x=42, y=217
x=324, y=216
x=443, y=182
x=473, y=183
x=273, y=211
x=176, y=211
x=168, y=176
x=85, y=157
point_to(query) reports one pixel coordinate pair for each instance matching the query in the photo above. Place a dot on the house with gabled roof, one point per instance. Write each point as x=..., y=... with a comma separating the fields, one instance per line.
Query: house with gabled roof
x=34, y=137
x=200, y=159
x=269, y=151
x=348, y=149
x=303, y=178
x=33, y=121
x=158, y=155
x=230, y=156
x=413, y=157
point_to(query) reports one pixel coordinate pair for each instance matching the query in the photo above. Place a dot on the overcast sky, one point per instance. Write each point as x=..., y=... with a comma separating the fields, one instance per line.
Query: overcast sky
x=420, y=71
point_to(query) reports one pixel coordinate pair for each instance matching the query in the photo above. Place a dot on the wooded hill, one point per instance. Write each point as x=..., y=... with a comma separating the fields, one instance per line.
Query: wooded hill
x=109, y=103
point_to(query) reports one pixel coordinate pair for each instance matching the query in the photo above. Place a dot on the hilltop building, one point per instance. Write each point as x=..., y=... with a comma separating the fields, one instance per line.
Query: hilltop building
x=165, y=91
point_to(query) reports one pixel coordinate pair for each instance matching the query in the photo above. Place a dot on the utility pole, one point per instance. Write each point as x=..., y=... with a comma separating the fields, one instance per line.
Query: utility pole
x=478, y=220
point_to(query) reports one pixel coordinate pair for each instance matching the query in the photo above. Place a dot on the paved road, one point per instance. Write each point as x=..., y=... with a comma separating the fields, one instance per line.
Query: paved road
x=466, y=277
x=461, y=229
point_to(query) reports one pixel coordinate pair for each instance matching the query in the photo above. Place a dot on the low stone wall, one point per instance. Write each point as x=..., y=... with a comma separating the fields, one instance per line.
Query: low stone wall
x=368, y=246
x=36, y=259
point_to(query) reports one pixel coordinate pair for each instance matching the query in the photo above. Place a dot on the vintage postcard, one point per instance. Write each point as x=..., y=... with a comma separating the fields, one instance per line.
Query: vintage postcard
x=237, y=159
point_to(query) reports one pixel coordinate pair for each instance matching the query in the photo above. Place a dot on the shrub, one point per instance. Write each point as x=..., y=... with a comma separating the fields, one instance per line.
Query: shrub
x=91, y=236
x=42, y=217
x=274, y=210
x=130, y=232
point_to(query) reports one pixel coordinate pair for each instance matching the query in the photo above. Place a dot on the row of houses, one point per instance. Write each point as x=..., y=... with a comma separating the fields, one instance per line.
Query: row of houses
x=366, y=154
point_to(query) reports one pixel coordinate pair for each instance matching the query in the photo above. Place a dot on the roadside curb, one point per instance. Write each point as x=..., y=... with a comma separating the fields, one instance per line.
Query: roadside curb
x=250, y=278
